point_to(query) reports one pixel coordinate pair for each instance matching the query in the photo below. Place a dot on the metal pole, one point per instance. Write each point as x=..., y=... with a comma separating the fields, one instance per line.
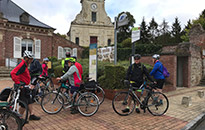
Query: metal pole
x=115, y=53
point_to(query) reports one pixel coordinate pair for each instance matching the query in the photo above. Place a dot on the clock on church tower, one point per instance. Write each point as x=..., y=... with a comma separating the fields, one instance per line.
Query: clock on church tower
x=92, y=21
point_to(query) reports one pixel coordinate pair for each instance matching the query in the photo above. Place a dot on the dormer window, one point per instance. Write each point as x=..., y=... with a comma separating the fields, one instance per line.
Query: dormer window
x=24, y=18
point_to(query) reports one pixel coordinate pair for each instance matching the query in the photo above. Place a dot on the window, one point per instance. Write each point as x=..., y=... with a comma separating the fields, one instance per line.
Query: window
x=94, y=16
x=26, y=44
x=77, y=40
x=109, y=42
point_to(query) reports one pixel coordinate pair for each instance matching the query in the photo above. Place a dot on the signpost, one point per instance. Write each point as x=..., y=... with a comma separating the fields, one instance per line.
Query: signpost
x=93, y=61
x=121, y=21
x=135, y=37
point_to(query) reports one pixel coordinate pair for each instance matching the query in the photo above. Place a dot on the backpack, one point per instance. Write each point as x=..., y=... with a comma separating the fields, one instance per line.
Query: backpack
x=66, y=67
x=165, y=72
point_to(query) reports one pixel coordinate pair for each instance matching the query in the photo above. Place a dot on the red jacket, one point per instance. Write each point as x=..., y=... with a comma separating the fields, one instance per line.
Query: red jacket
x=80, y=69
x=45, y=70
x=21, y=73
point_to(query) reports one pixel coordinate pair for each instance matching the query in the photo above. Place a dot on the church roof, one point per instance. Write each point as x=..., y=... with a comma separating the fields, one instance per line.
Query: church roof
x=13, y=12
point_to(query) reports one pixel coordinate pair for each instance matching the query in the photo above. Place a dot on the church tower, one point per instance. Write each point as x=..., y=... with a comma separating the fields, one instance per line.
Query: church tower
x=92, y=25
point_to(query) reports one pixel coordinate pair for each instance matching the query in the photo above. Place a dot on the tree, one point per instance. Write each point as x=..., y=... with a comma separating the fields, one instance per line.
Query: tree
x=153, y=30
x=201, y=19
x=185, y=32
x=124, y=32
x=144, y=32
x=176, y=31
x=164, y=33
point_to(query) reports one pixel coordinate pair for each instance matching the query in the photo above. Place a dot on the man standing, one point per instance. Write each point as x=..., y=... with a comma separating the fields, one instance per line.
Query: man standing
x=135, y=75
x=64, y=62
x=21, y=74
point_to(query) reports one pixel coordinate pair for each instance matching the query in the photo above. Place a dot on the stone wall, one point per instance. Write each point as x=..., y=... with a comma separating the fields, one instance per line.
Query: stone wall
x=196, y=65
x=106, y=54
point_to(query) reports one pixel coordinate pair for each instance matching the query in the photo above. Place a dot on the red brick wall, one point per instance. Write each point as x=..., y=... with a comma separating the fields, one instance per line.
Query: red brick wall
x=49, y=41
x=170, y=62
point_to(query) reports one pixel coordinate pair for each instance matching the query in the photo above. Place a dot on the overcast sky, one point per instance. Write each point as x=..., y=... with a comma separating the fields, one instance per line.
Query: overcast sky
x=59, y=13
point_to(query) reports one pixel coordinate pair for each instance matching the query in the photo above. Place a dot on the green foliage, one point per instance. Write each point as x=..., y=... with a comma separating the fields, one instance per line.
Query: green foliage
x=85, y=53
x=176, y=31
x=113, y=77
x=126, y=43
x=143, y=49
x=200, y=20
x=52, y=58
x=58, y=71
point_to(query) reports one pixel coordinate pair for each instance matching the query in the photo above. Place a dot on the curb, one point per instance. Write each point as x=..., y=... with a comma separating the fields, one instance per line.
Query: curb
x=192, y=125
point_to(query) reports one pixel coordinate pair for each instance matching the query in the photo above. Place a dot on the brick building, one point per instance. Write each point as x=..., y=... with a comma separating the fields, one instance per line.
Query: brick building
x=19, y=31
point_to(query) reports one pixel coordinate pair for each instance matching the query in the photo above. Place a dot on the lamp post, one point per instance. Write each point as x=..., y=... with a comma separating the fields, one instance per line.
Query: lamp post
x=115, y=42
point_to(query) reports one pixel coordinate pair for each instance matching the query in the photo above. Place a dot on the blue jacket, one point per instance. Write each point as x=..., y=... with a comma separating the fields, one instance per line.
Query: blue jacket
x=157, y=71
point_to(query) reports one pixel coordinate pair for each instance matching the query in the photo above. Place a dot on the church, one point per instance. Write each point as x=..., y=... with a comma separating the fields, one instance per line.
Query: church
x=92, y=25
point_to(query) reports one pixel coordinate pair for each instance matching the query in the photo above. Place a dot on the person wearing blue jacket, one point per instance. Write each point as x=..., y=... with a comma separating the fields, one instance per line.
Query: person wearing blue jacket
x=157, y=73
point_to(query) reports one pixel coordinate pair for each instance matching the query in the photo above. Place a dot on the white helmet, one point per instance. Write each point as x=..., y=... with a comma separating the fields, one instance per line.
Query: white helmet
x=27, y=54
x=156, y=56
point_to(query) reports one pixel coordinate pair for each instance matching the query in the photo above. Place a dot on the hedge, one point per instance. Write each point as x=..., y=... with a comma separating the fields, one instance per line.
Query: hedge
x=113, y=77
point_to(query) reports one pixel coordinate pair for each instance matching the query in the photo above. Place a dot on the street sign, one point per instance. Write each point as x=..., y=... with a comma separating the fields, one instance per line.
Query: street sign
x=123, y=20
x=135, y=34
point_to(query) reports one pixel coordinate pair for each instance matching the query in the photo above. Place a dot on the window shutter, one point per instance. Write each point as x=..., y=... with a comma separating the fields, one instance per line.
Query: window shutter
x=75, y=52
x=17, y=47
x=38, y=49
x=60, y=52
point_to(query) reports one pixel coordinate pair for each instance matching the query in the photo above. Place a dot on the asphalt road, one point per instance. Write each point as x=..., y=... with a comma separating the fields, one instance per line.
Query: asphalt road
x=201, y=126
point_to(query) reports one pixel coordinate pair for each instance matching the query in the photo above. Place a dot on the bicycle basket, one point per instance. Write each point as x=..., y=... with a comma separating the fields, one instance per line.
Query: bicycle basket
x=4, y=95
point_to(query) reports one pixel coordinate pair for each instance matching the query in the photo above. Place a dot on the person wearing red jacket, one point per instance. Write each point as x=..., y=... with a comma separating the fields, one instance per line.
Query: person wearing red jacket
x=45, y=67
x=78, y=66
x=20, y=74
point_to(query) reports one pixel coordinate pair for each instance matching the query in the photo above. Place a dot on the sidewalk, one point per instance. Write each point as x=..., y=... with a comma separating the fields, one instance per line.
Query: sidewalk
x=176, y=117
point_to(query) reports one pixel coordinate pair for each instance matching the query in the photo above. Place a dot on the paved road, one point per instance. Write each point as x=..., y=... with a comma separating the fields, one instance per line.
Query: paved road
x=175, y=119
x=201, y=126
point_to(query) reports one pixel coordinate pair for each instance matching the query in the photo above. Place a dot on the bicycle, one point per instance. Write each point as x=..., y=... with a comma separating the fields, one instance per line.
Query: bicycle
x=16, y=103
x=151, y=100
x=9, y=120
x=40, y=90
x=87, y=102
x=94, y=87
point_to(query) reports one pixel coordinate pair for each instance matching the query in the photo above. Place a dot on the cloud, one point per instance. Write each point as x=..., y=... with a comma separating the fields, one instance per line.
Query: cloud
x=59, y=14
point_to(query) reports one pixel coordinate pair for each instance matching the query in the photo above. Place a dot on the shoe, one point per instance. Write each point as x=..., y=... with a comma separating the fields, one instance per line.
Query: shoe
x=75, y=111
x=33, y=117
x=137, y=110
x=126, y=110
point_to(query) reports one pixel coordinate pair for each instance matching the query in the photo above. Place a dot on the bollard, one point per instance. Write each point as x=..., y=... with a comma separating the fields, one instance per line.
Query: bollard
x=186, y=100
x=201, y=93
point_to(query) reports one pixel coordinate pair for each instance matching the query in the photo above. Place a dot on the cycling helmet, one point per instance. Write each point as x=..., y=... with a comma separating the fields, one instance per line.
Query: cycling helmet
x=71, y=60
x=156, y=56
x=67, y=54
x=27, y=54
x=137, y=56
x=46, y=59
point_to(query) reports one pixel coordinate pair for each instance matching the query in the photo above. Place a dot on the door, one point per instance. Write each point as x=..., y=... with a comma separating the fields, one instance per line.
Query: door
x=182, y=71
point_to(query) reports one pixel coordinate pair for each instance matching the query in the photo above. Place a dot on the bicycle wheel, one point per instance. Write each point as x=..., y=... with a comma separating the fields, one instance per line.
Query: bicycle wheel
x=52, y=103
x=9, y=120
x=88, y=104
x=21, y=108
x=155, y=106
x=100, y=94
x=121, y=102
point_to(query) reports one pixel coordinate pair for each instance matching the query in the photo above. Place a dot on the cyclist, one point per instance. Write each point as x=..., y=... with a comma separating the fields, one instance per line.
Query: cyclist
x=157, y=74
x=64, y=62
x=79, y=66
x=45, y=67
x=74, y=79
x=21, y=74
x=135, y=75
